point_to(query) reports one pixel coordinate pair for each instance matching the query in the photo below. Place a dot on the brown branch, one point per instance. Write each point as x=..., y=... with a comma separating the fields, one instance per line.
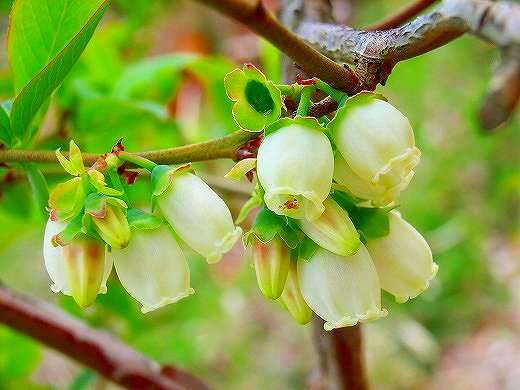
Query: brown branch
x=401, y=16
x=340, y=358
x=95, y=349
x=254, y=15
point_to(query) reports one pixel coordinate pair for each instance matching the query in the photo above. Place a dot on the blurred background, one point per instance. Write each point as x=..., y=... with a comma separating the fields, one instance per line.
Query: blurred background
x=153, y=74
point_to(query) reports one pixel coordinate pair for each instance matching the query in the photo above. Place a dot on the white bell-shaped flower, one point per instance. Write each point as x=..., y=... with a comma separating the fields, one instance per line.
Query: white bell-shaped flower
x=152, y=268
x=333, y=230
x=199, y=216
x=295, y=166
x=341, y=290
x=403, y=260
x=55, y=261
x=378, y=193
x=376, y=141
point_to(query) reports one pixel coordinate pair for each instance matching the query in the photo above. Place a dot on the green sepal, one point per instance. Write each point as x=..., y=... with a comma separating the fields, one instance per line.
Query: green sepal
x=290, y=236
x=349, y=102
x=67, y=199
x=75, y=157
x=96, y=204
x=307, y=121
x=139, y=219
x=97, y=180
x=162, y=177
x=346, y=201
x=305, y=249
x=74, y=227
x=371, y=222
x=256, y=200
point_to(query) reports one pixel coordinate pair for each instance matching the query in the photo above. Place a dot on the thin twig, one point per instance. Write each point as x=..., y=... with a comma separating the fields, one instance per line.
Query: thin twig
x=224, y=147
x=95, y=349
x=261, y=21
x=401, y=16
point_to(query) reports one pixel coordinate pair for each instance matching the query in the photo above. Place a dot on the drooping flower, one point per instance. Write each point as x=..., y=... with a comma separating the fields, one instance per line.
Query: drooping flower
x=341, y=290
x=258, y=102
x=198, y=215
x=292, y=299
x=333, y=230
x=294, y=166
x=403, y=260
x=152, y=268
x=378, y=145
x=55, y=259
x=271, y=261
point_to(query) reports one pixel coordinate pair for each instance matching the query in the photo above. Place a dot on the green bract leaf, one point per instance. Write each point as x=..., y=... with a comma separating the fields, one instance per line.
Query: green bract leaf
x=258, y=101
x=74, y=228
x=96, y=204
x=305, y=250
x=142, y=220
x=67, y=199
x=290, y=237
x=46, y=37
x=241, y=168
x=267, y=224
x=256, y=200
x=371, y=222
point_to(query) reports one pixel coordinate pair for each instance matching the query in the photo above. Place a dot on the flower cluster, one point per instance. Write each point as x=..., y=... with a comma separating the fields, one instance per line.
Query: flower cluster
x=325, y=242
x=91, y=227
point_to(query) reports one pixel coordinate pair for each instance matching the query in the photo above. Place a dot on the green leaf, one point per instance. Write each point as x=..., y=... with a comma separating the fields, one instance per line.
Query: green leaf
x=39, y=188
x=46, y=38
x=6, y=133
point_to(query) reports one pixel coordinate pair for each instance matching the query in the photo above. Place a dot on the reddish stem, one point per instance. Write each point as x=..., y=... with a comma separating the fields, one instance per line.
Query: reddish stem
x=95, y=349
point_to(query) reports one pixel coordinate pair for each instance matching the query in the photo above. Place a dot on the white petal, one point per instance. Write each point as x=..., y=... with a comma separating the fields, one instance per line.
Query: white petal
x=295, y=166
x=403, y=260
x=199, y=216
x=54, y=260
x=341, y=290
x=152, y=268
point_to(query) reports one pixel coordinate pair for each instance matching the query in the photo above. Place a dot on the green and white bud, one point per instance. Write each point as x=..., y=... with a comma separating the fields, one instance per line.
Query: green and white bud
x=292, y=298
x=403, y=260
x=341, y=290
x=152, y=268
x=295, y=166
x=198, y=215
x=271, y=261
x=84, y=260
x=333, y=230
x=377, y=143
x=112, y=226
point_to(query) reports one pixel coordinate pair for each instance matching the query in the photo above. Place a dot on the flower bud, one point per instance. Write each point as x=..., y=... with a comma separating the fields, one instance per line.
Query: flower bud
x=152, y=268
x=292, y=299
x=341, y=290
x=271, y=261
x=403, y=260
x=294, y=166
x=333, y=230
x=112, y=226
x=199, y=216
x=376, y=141
x=84, y=260
x=55, y=261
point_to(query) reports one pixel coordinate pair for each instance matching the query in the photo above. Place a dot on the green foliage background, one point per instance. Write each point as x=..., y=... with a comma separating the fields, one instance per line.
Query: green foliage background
x=131, y=82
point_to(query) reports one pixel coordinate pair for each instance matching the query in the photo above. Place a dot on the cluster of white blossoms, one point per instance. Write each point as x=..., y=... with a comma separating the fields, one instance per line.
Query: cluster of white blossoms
x=324, y=184
x=91, y=228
